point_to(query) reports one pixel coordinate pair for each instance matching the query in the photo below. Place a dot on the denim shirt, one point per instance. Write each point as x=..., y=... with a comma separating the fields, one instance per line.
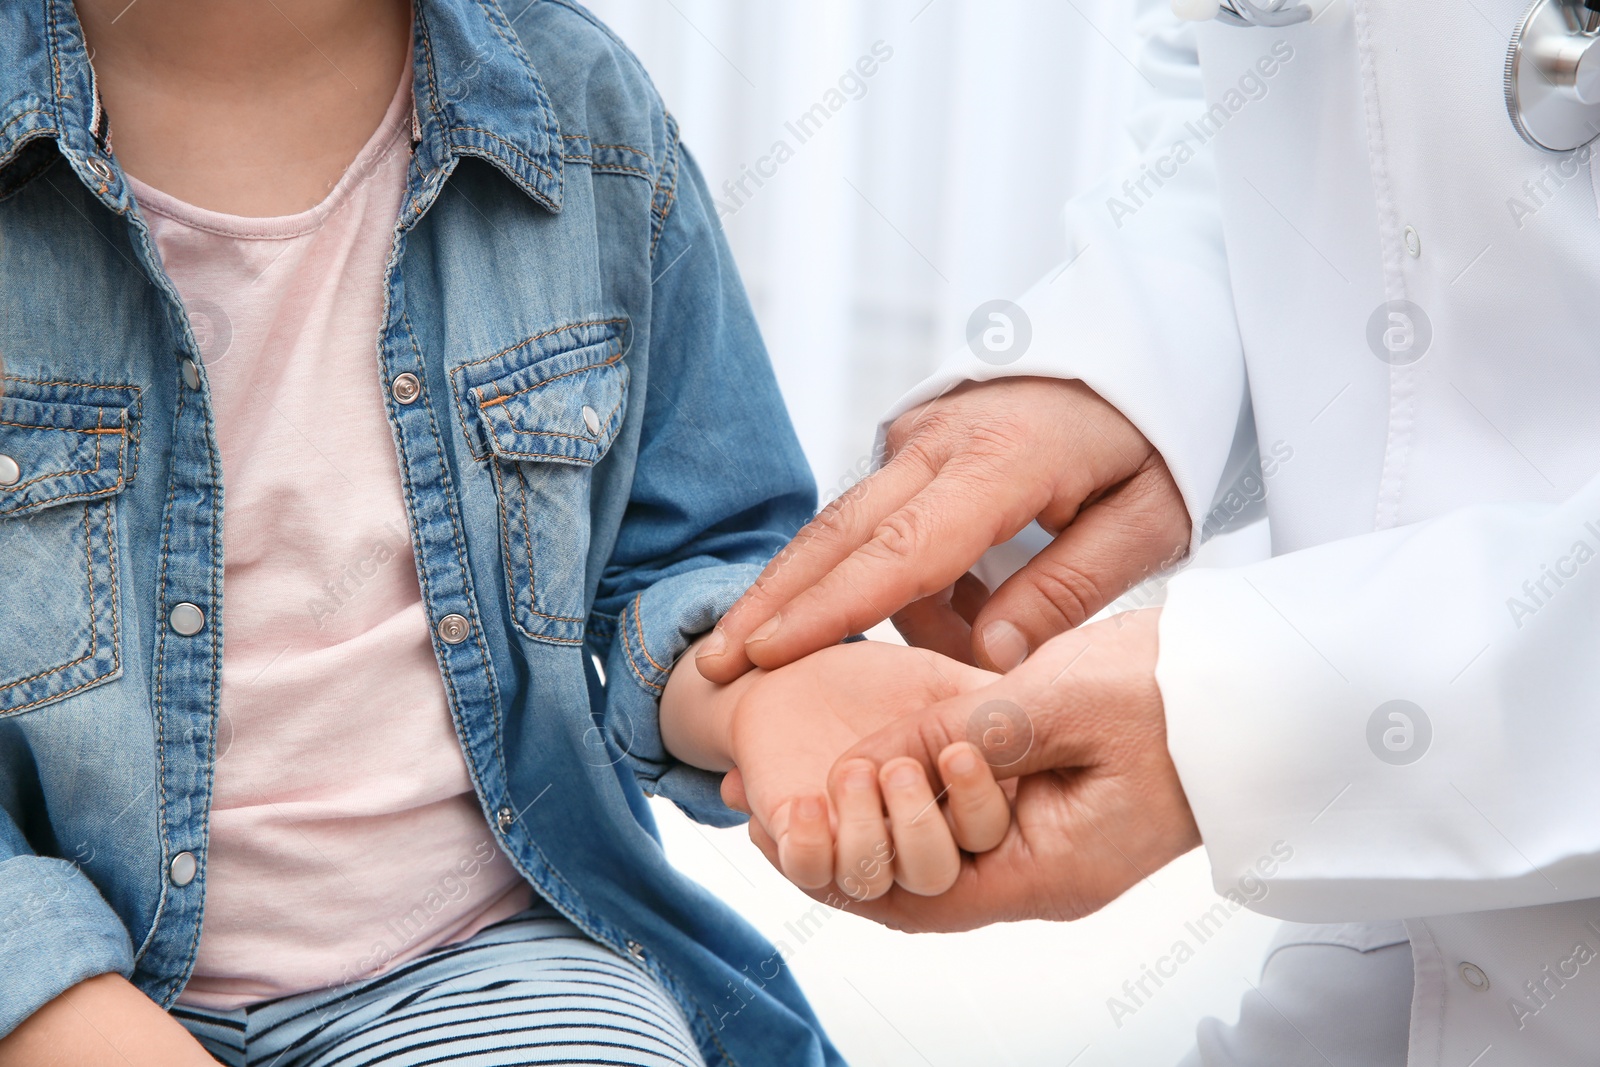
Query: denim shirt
x=597, y=465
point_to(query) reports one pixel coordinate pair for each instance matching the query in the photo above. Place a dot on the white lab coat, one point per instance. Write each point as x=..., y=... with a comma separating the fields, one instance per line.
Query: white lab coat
x=1435, y=524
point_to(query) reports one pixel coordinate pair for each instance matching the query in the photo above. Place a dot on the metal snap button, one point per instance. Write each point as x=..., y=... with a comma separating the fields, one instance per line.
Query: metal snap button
x=591, y=419
x=636, y=950
x=182, y=869
x=1413, y=243
x=191, y=373
x=406, y=388
x=10, y=471
x=186, y=619
x=1473, y=975
x=504, y=818
x=453, y=629
x=98, y=168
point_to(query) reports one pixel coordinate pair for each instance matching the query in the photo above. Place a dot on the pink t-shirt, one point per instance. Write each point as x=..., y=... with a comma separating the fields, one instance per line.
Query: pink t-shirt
x=345, y=834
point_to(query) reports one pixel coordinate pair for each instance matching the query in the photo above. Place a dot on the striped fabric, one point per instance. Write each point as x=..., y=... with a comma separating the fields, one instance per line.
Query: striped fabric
x=530, y=990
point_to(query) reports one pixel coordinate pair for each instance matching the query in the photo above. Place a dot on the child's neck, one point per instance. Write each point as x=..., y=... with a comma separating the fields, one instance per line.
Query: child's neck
x=251, y=107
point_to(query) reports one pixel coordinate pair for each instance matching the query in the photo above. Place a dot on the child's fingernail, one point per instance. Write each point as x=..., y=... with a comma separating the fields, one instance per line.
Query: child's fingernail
x=809, y=809
x=904, y=776
x=715, y=644
x=765, y=630
x=964, y=762
x=858, y=777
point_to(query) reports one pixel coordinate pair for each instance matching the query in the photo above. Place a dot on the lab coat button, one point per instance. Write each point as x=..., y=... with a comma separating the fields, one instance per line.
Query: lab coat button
x=1473, y=975
x=453, y=629
x=182, y=869
x=186, y=619
x=1413, y=242
x=10, y=471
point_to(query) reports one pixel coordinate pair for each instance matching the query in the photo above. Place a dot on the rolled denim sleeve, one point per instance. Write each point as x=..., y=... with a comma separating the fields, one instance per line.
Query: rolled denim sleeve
x=652, y=633
x=720, y=487
x=56, y=930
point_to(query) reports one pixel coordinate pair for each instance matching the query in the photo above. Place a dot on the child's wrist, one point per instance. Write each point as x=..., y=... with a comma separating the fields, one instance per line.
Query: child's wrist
x=697, y=715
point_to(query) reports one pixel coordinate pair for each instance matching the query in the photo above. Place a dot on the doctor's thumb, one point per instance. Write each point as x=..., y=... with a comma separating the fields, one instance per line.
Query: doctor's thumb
x=1016, y=733
x=1137, y=531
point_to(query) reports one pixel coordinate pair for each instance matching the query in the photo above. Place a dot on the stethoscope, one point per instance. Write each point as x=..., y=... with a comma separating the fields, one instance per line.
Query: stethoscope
x=1552, y=78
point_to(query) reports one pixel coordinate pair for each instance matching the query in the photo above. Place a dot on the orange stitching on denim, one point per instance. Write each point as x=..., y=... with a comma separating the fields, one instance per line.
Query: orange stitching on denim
x=458, y=544
x=638, y=622
x=542, y=336
x=19, y=116
x=110, y=490
x=622, y=148
x=527, y=538
x=527, y=534
x=88, y=570
x=116, y=606
x=62, y=381
x=542, y=455
x=669, y=159
x=593, y=438
x=514, y=149
x=618, y=168
x=501, y=399
x=457, y=388
x=627, y=648
x=63, y=429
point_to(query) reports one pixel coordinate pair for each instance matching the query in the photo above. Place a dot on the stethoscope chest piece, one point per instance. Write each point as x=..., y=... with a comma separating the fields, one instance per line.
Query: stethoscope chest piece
x=1553, y=74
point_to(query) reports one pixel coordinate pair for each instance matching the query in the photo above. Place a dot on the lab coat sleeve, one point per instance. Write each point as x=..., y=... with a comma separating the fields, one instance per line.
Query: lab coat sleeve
x=1399, y=724
x=1142, y=310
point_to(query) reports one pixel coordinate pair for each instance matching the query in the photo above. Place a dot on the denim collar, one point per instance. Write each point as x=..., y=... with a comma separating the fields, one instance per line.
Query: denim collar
x=475, y=90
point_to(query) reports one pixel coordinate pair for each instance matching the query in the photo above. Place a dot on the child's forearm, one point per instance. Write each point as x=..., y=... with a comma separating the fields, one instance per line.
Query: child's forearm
x=102, y=1022
x=697, y=715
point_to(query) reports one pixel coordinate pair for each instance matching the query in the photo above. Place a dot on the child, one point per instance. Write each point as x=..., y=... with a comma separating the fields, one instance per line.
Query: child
x=435, y=301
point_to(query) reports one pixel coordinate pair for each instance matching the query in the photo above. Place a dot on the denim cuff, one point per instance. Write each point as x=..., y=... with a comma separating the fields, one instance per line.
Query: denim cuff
x=652, y=632
x=56, y=930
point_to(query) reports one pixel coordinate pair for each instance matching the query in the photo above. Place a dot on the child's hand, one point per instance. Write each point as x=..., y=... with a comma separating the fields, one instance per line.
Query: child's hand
x=790, y=725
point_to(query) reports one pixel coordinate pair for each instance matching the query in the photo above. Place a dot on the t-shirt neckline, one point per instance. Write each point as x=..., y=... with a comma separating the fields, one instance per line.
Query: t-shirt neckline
x=395, y=127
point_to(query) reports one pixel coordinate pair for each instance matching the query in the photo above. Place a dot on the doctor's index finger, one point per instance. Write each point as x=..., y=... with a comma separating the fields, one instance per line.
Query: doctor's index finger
x=821, y=544
x=919, y=549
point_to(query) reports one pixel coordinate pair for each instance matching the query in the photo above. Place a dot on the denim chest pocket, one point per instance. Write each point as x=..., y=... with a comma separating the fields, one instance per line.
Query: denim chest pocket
x=540, y=416
x=67, y=450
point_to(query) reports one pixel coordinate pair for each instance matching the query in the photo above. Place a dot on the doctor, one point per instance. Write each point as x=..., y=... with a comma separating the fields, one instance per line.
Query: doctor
x=1339, y=280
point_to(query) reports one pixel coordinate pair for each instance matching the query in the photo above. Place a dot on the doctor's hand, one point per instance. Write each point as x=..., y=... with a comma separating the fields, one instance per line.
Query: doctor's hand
x=1098, y=805
x=967, y=472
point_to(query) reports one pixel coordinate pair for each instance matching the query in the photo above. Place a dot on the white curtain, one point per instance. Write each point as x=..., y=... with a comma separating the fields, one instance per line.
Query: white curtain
x=905, y=200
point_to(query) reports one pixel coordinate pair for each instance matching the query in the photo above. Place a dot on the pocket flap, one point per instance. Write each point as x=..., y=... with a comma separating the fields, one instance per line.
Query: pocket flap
x=56, y=451
x=563, y=408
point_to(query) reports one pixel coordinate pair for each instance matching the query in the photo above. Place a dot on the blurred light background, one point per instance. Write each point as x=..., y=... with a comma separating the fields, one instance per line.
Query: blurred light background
x=912, y=196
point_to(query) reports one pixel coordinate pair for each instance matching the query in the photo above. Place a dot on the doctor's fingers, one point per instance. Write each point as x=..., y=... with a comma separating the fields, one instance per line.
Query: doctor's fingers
x=821, y=544
x=919, y=549
x=942, y=623
x=1134, y=532
x=1021, y=723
